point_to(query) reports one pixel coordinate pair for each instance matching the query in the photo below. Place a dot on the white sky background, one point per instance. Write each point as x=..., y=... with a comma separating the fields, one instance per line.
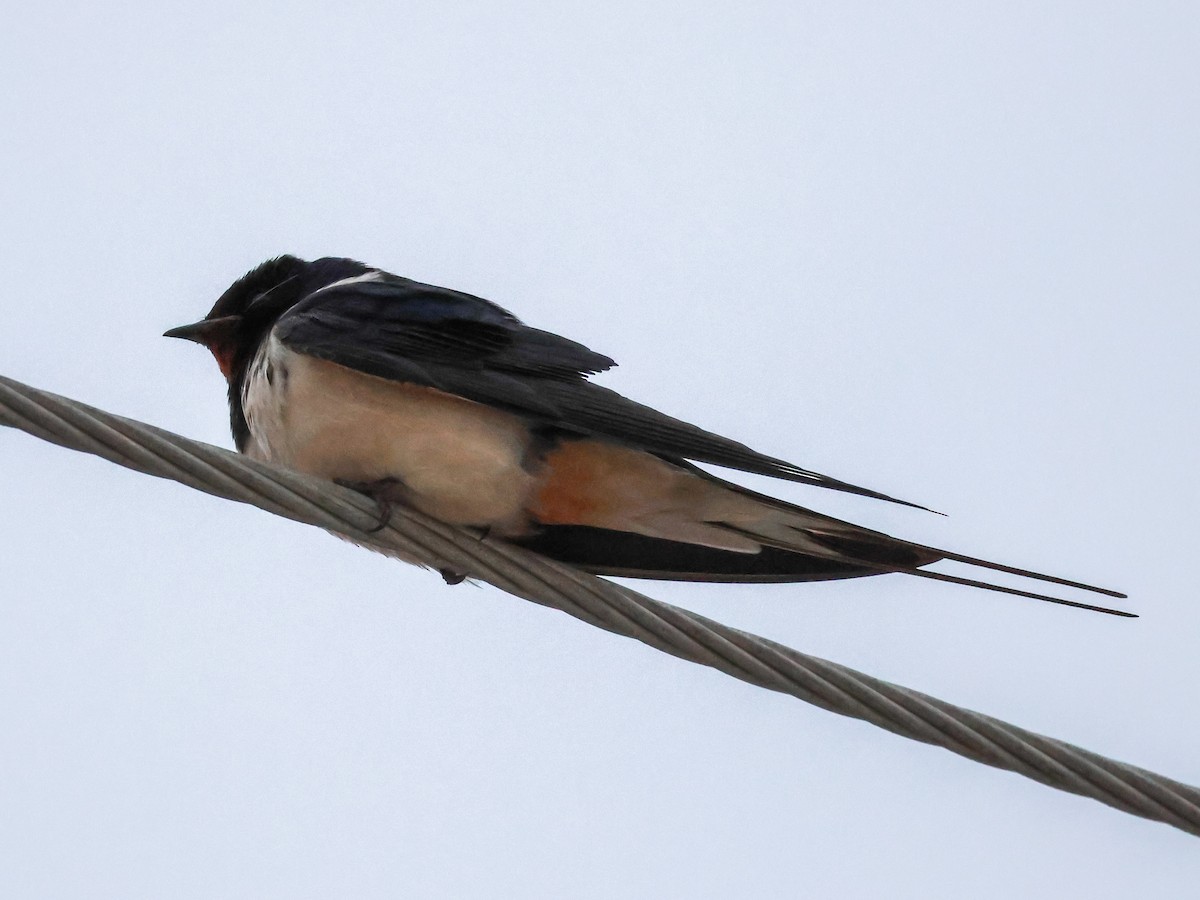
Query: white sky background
x=943, y=250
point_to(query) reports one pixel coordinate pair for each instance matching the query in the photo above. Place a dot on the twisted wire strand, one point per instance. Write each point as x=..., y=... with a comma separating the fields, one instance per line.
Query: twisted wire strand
x=419, y=539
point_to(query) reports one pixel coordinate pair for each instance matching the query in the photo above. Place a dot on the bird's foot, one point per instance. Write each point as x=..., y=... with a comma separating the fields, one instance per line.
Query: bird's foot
x=382, y=491
x=451, y=577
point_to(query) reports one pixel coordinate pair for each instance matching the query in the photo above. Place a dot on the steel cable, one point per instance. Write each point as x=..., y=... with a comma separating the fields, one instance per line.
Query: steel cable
x=419, y=539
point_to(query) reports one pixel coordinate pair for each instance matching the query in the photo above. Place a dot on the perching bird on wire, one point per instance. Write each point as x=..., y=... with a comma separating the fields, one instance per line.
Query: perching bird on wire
x=425, y=396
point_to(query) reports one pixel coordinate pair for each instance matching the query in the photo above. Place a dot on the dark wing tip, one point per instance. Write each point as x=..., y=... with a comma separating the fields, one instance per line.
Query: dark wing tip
x=819, y=480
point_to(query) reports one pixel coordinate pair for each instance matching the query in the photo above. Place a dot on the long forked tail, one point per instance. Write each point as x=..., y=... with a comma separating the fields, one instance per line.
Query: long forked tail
x=614, y=510
x=774, y=523
x=856, y=546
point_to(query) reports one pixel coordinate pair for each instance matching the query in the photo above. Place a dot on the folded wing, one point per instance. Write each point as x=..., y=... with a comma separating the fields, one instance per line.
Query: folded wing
x=403, y=330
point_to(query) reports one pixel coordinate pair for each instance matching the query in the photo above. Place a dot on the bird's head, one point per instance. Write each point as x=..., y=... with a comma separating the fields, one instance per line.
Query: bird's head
x=236, y=323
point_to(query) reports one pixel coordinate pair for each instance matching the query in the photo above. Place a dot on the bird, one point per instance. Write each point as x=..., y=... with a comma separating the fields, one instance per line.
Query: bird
x=430, y=398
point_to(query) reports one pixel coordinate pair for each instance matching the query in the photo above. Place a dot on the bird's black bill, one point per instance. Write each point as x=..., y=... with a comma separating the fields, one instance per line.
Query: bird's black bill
x=204, y=331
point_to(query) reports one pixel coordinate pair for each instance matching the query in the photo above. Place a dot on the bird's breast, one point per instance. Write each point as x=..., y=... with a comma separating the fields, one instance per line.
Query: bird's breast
x=457, y=460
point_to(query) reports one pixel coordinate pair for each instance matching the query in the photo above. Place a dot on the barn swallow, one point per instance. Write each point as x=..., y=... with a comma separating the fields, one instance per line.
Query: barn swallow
x=445, y=402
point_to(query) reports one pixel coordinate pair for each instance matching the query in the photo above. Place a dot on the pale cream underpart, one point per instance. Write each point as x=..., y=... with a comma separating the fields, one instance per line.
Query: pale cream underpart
x=458, y=461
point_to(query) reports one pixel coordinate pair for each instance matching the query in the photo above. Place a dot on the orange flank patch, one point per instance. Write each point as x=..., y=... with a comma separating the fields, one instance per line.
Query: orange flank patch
x=592, y=483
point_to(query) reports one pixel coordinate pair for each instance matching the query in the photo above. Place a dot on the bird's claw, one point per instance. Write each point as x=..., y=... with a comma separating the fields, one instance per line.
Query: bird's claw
x=451, y=577
x=380, y=491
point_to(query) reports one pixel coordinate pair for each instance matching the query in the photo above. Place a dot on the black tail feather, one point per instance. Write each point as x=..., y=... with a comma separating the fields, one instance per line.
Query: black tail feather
x=603, y=551
x=970, y=582
x=883, y=553
x=1025, y=573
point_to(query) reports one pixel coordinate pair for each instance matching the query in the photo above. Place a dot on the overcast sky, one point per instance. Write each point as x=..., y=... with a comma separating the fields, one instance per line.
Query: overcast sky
x=947, y=251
